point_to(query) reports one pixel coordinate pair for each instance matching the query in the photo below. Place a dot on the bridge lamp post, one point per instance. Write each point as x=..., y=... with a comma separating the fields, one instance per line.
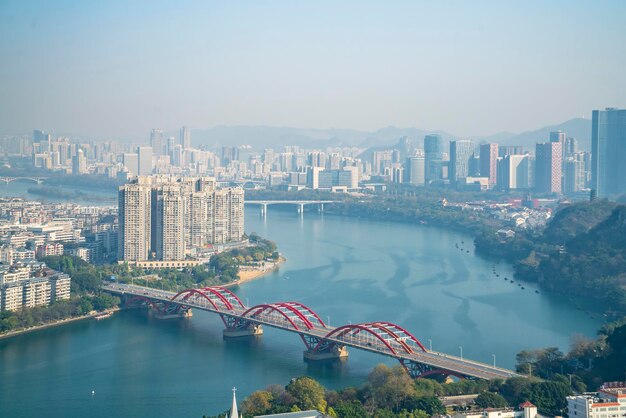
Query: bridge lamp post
x=328, y=320
x=247, y=302
x=461, y=348
x=494, y=360
x=430, y=345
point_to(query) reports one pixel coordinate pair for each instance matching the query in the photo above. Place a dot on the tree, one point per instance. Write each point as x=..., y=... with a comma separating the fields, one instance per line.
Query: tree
x=258, y=403
x=390, y=386
x=490, y=400
x=352, y=409
x=308, y=393
x=550, y=397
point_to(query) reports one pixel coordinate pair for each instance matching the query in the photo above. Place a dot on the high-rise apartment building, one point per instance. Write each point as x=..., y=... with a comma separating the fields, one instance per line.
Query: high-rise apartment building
x=169, y=222
x=548, y=159
x=135, y=221
x=461, y=151
x=185, y=137
x=166, y=217
x=489, y=162
x=608, y=152
x=573, y=174
x=433, y=157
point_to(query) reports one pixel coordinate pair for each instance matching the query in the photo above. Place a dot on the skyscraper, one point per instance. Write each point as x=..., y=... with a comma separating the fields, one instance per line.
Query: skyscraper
x=131, y=163
x=548, y=167
x=513, y=172
x=489, y=162
x=79, y=163
x=415, y=170
x=185, y=137
x=433, y=152
x=156, y=141
x=608, y=152
x=460, y=153
x=145, y=161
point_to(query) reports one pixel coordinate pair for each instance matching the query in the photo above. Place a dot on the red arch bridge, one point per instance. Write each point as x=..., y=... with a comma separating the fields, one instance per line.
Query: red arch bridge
x=321, y=340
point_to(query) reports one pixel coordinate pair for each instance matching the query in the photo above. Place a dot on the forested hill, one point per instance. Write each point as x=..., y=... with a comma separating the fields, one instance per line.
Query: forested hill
x=582, y=252
x=593, y=263
x=573, y=220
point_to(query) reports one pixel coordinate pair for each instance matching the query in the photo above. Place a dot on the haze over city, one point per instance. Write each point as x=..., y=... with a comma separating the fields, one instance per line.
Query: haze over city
x=117, y=69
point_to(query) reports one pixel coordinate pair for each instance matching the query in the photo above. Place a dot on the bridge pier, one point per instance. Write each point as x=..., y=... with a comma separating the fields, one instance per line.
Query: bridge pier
x=321, y=208
x=333, y=352
x=301, y=208
x=173, y=315
x=264, y=209
x=249, y=331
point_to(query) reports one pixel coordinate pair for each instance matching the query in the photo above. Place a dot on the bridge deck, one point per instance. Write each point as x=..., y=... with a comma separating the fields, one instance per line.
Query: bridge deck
x=434, y=359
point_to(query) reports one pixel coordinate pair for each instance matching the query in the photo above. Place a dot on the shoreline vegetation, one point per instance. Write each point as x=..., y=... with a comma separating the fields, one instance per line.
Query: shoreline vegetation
x=248, y=275
x=58, y=192
x=39, y=327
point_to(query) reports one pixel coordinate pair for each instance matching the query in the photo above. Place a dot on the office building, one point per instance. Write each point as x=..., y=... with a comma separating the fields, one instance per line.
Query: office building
x=433, y=157
x=548, y=159
x=504, y=150
x=513, y=172
x=415, y=169
x=489, y=162
x=608, y=152
x=461, y=152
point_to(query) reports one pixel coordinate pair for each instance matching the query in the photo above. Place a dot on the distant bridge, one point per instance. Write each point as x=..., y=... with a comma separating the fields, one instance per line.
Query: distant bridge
x=320, y=339
x=37, y=180
x=246, y=184
x=299, y=203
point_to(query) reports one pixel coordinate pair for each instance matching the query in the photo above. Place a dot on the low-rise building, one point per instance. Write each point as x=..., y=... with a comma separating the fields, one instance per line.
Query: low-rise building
x=608, y=402
x=26, y=285
x=525, y=410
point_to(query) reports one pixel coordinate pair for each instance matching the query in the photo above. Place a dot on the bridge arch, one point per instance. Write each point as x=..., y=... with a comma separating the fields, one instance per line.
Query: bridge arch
x=202, y=293
x=228, y=295
x=403, y=334
x=376, y=331
x=282, y=309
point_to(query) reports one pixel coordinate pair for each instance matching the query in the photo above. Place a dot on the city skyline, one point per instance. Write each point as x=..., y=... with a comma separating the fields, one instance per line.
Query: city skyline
x=272, y=64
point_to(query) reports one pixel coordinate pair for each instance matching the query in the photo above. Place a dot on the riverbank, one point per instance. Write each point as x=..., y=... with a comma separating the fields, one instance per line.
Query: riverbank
x=53, y=324
x=249, y=275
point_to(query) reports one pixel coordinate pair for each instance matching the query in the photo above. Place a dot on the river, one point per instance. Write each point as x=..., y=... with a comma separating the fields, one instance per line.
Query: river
x=347, y=270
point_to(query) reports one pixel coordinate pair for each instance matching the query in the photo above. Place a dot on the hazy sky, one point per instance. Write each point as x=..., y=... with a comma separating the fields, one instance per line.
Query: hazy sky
x=118, y=68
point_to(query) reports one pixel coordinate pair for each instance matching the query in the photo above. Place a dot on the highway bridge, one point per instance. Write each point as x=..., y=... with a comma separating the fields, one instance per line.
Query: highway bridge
x=300, y=204
x=321, y=340
x=37, y=180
